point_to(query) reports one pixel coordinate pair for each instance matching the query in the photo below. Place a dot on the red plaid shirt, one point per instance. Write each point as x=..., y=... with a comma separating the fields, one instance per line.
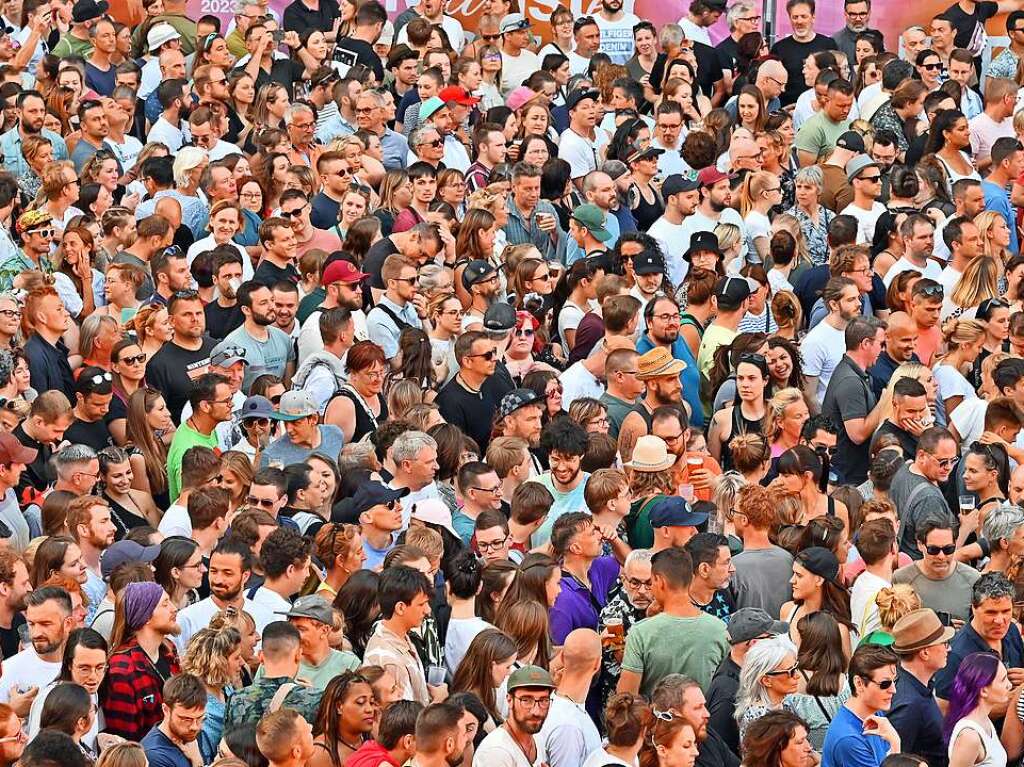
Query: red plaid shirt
x=132, y=697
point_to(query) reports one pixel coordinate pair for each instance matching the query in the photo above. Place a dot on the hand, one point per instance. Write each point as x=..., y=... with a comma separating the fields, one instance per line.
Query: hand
x=1016, y=676
x=291, y=39
x=913, y=425
x=546, y=222
x=607, y=532
x=512, y=153
x=419, y=302
x=957, y=623
x=935, y=215
x=83, y=268
x=41, y=24
x=438, y=692
x=991, y=438
x=105, y=740
x=970, y=521
x=131, y=201
x=21, y=701
x=700, y=479
x=882, y=727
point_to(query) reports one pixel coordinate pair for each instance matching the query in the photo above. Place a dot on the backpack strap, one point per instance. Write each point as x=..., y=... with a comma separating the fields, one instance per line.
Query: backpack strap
x=278, y=700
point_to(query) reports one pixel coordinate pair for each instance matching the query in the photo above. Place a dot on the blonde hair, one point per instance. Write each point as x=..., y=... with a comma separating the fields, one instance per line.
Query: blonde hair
x=426, y=540
x=985, y=221
x=749, y=451
x=979, y=281
x=728, y=235
x=127, y=754
x=207, y=654
x=777, y=409
x=753, y=187
x=894, y=602
x=791, y=224
x=959, y=332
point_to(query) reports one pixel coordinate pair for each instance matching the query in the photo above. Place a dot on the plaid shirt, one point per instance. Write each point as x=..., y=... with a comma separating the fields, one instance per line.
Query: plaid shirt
x=520, y=231
x=132, y=697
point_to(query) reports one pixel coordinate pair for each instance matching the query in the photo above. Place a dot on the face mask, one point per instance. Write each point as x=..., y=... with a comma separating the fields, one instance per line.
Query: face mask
x=235, y=283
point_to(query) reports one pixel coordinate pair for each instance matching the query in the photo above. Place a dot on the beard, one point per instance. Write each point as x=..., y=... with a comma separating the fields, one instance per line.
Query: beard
x=44, y=646
x=226, y=595
x=264, y=319
x=352, y=303
x=716, y=206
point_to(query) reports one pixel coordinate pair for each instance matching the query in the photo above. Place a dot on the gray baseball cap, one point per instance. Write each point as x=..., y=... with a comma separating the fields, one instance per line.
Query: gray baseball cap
x=751, y=622
x=310, y=606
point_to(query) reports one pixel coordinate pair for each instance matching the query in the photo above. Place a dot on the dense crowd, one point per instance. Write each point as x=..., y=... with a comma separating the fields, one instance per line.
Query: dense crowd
x=382, y=391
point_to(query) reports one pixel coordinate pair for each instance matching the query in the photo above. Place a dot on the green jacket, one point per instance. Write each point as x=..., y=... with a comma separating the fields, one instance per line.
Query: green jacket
x=248, y=705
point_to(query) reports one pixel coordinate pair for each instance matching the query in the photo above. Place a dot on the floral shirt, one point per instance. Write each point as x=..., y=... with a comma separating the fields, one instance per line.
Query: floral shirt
x=618, y=606
x=885, y=118
x=815, y=235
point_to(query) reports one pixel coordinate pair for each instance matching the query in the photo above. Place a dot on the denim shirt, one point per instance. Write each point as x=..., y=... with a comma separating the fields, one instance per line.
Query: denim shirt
x=14, y=160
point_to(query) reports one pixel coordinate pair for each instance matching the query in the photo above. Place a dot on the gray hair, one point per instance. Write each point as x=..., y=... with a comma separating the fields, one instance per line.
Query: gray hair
x=409, y=445
x=669, y=691
x=671, y=34
x=188, y=158
x=241, y=5
x=430, y=277
x=810, y=174
x=295, y=109
x=762, y=658
x=727, y=488
x=91, y=327
x=72, y=455
x=1001, y=522
x=416, y=137
x=990, y=586
x=638, y=556
x=737, y=11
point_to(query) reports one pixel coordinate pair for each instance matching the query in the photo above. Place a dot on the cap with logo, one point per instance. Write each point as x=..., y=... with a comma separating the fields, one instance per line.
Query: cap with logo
x=648, y=262
x=311, y=606
x=476, y=271
x=674, y=511
x=530, y=676
x=342, y=271
x=227, y=353
x=851, y=141
x=733, y=289
x=297, y=404
x=372, y=494
x=593, y=218
x=678, y=183
x=581, y=94
x=703, y=242
x=751, y=622
x=513, y=22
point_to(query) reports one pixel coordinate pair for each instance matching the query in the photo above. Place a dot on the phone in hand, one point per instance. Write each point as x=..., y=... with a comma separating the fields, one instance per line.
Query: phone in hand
x=945, y=618
x=277, y=35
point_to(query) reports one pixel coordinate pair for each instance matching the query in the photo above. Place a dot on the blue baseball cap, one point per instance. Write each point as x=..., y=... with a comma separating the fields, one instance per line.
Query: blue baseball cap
x=675, y=512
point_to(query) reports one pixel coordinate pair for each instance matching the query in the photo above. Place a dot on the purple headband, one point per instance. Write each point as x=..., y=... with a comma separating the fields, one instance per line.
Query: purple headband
x=140, y=600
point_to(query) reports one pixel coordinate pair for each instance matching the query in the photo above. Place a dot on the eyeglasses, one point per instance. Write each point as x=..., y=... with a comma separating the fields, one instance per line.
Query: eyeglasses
x=491, y=545
x=134, y=360
x=454, y=312
x=791, y=671
x=488, y=490
x=264, y=502
x=638, y=583
x=883, y=684
x=10, y=313
x=529, y=703
x=251, y=195
x=488, y=355
x=666, y=317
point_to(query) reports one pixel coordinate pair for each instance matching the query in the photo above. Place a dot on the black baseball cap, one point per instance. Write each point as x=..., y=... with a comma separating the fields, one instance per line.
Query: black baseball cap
x=372, y=494
x=852, y=141
x=477, y=271
x=574, y=98
x=648, y=262
x=678, y=183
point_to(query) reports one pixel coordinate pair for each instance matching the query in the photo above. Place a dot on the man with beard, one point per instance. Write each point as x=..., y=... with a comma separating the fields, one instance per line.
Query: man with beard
x=211, y=401
x=713, y=209
x=268, y=349
x=712, y=568
x=342, y=283
x=622, y=387
x=662, y=320
x=323, y=372
x=858, y=16
x=296, y=208
x=480, y=279
x=153, y=234
x=616, y=31
x=90, y=525
x=683, y=696
x=286, y=301
x=133, y=695
x=49, y=618
x=515, y=743
x=174, y=742
x=14, y=587
x=229, y=571
x=31, y=111
x=471, y=398
x=823, y=347
x=628, y=604
x=519, y=415
x=661, y=372
x=184, y=358
x=681, y=193
x=223, y=315
x=171, y=127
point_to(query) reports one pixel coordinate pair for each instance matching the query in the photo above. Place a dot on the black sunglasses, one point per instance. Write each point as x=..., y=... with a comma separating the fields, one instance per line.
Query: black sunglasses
x=936, y=550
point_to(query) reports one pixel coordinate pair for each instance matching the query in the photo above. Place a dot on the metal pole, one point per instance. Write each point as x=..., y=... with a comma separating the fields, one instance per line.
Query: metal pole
x=768, y=14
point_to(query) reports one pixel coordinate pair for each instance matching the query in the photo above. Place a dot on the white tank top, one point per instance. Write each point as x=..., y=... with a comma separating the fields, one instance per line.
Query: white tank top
x=995, y=754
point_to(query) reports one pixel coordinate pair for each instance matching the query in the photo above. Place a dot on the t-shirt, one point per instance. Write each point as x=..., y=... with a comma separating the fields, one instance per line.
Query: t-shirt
x=10, y=639
x=284, y=452
x=270, y=274
x=222, y=320
x=374, y=261
x=822, y=349
x=350, y=51
x=759, y=578
x=913, y=505
x=516, y=69
x=674, y=240
x=952, y=594
x=184, y=438
x=714, y=337
x=617, y=37
x=848, y=397
x=862, y=602
x=819, y=134
x=969, y=27
x=269, y=356
x=931, y=270
x=866, y=220
x=499, y=750
x=846, y=745
x=985, y=131
x=582, y=153
x=24, y=670
x=172, y=370
x=666, y=644
x=793, y=54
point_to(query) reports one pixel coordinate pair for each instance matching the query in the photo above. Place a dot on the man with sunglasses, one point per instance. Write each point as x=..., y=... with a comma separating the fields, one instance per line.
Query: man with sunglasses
x=335, y=175
x=471, y=398
x=915, y=488
x=92, y=410
x=865, y=176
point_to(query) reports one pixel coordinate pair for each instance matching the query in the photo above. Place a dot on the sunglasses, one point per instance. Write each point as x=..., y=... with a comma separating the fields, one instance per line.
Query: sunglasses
x=488, y=355
x=265, y=503
x=99, y=378
x=293, y=213
x=872, y=179
x=930, y=291
x=523, y=333
x=435, y=143
x=884, y=684
x=790, y=672
x=936, y=550
x=931, y=67
x=138, y=358
x=44, y=233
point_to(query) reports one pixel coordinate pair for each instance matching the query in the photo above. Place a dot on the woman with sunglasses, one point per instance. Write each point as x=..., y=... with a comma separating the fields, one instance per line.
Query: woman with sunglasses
x=981, y=687
x=179, y=569
x=525, y=343
x=815, y=584
x=128, y=368
x=767, y=676
x=489, y=58
x=747, y=412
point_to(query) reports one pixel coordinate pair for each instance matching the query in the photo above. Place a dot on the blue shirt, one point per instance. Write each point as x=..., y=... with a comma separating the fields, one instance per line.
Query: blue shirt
x=916, y=717
x=161, y=752
x=968, y=641
x=14, y=160
x=690, y=377
x=395, y=148
x=573, y=252
x=997, y=199
x=846, y=745
x=576, y=606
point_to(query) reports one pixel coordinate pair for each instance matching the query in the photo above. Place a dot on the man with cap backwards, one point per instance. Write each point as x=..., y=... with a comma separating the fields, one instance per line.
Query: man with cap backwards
x=459, y=103
x=922, y=643
x=589, y=230
x=378, y=510
x=865, y=176
x=836, y=190
x=314, y=618
x=14, y=457
x=480, y=279
x=517, y=61
x=515, y=743
x=681, y=192
x=747, y=626
x=582, y=143
x=519, y=415
x=304, y=435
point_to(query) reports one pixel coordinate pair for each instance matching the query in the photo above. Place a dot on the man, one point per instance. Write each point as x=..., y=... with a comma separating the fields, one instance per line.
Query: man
x=622, y=387
x=341, y=282
x=913, y=40
x=936, y=456
x=282, y=653
x=323, y=373
x=223, y=315
x=31, y=111
x=628, y=604
x=712, y=570
x=744, y=155
x=173, y=97
x=747, y=626
x=285, y=558
x=335, y=177
x=530, y=219
x=480, y=490
x=989, y=629
x=858, y=17
x=174, y=742
x=518, y=62
x=795, y=49
x=313, y=617
x=529, y=700
x=819, y=133
x=93, y=397
x=996, y=121
x=186, y=357
x=922, y=644
x=918, y=234
x=968, y=202
x=370, y=116
x=404, y=595
x=15, y=458
x=1005, y=64
x=491, y=149
x=865, y=177
x=714, y=209
x=301, y=15
x=680, y=639
x=963, y=239
x=822, y=346
x=77, y=469
x=732, y=295
x=357, y=47
x=587, y=41
x=683, y=697
x=90, y=525
x=300, y=126
x=470, y=399
x=616, y=30
x=660, y=372
x=761, y=566
x=909, y=415
x=849, y=400
x=701, y=15
x=876, y=543
x=1007, y=164
x=14, y=738
x=133, y=693
x=569, y=735
x=50, y=621
x=210, y=398
x=941, y=582
x=379, y=511
x=743, y=18
x=480, y=281
x=93, y=120
x=587, y=577
x=278, y=263
x=519, y=415
x=672, y=521
x=268, y=349
x=836, y=191
x=566, y=443
x=398, y=307
x=414, y=455
x=285, y=738
x=857, y=734
x=14, y=587
x=47, y=356
x=582, y=142
x=925, y=310
x=668, y=126
x=682, y=195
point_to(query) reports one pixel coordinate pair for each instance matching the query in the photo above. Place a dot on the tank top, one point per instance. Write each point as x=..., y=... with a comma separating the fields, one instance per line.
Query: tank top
x=124, y=519
x=366, y=421
x=995, y=754
x=740, y=425
x=646, y=213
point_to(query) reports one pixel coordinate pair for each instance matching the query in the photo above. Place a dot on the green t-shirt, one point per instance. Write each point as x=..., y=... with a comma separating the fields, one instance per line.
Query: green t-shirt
x=69, y=45
x=319, y=676
x=818, y=134
x=184, y=438
x=666, y=644
x=638, y=523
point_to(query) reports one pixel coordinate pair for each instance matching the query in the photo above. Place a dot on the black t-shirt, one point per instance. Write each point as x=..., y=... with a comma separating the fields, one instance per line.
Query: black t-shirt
x=220, y=320
x=474, y=412
x=966, y=23
x=39, y=474
x=172, y=370
x=96, y=434
x=374, y=261
x=350, y=51
x=270, y=274
x=792, y=55
x=907, y=440
x=299, y=17
x=286, y=72
x=709, y=70
x=10, y=642
x=727, y=51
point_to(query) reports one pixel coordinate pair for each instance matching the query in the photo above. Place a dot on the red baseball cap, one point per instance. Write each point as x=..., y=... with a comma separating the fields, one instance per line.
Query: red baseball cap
x=342, y=271
x=459, y=95
x=711, y=175
x=12, y=451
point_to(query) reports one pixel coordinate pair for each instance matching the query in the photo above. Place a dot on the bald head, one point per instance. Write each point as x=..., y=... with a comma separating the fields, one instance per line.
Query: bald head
x=771, y=79
x=900, y=336
x=170, y=209
x=744, y=153
x=581, y=652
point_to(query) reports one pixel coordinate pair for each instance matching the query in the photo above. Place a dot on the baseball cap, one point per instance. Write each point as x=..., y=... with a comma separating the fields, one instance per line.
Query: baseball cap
x=258, y=407
x=821, y=562
x=429, y=107
x=310, y=606
x=12, y=451
x=125, y=551
x=512, y=22
x=226, y=354
x=459, y=95
x=733, y=289
x=750, y=622
x=852, y=141
x=858, y=164
x=574, y=98
x=648, y=262
x=520, y=96
x=159, y=34
x=476, y=271
x=592, y=217
x=372, y=494
x=710, y=176
x=637, y=153
x=296, y=405
x=499, y=317
x=516, y=399
x=387, y=34
x=674, y=511
x=84, y=10
x=678, y=183
x=342, y=271
x=434, y=511
x=530, y=676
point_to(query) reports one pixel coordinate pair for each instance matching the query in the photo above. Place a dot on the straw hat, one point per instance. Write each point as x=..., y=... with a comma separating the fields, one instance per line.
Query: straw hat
x=651, y=454
x=658, y=362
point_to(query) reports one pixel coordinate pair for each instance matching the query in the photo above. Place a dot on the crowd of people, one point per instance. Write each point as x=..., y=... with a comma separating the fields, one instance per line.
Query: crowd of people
x=381, y=391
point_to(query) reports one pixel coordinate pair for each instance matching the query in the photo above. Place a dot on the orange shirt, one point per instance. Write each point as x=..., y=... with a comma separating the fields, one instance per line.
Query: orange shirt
x=683, y=474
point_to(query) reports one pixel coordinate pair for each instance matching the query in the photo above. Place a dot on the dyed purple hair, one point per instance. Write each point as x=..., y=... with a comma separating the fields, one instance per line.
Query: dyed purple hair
x=977, y=671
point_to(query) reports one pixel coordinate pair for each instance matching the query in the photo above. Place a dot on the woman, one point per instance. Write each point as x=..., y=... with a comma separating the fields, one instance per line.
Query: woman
x=651, y=478
x=981, y=685
x=816, y=588
x=120, y=287
x=485, y=668
x=357, y=600
x=535, y=150
x=149, y=430
x=215, y=656
x=949, y=139
x=787, y=414
x=58, y=194
x=995, y=314
x=814, y=218
x=344, y=720
x=759, y=317
x=236, y=473
x=129, y=507
x=751, y=455
x=575, y=296
x=272, y=174
x=326, y=470
x=340, y=549
x=783, y=360
x=751, y=111
x=747, y=412
x=531, y=277
x=775, y=159
x=672, y=743
x=475, y=242
x=395, y=197
x=38, y=154
x=153, y=328
x=445, y=314
x=58, y=554
x=179, y=569
x=69, y=709
x=986, y=475
x=822, y=687
x=590, y=414
x=627, y=719
x=225, y=222
x=802, y=471
x=359, y=406
x=526, y=343
x=964, y=339
x=979, y=282
x=354, y=203
x=767, y=676
x=759, y=194
x=251, y=196
x=73, y=260
x=242, y=96
x=778, y=739
x=526, y=622
x=451, y=188
x=644, y=198
x=544, y=382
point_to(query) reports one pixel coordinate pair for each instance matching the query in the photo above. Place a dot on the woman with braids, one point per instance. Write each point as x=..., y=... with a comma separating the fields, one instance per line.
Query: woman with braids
x=485, y=668
x=345, y=719
x=339, y=548
x=215, y=656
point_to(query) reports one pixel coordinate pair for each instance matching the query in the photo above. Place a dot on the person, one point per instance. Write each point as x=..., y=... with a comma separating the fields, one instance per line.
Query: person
x=914, y=489
x=174, y=742
x=968, y=727
x=285, y=738
x=587, y=577
x=569, y=735
x=762, y=567
x=314, y=618
x=210, y=398
x=516, y=742
x=48, y=613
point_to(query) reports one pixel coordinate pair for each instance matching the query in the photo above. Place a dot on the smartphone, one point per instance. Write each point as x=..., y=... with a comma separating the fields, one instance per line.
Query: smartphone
x=945, y=618
x=277, y=35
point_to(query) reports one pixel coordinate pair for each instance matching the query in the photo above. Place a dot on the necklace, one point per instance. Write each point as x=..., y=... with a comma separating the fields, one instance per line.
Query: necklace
x=465, y=383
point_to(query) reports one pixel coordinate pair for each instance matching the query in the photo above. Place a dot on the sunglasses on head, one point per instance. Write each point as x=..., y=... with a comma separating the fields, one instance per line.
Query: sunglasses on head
x=99, y=378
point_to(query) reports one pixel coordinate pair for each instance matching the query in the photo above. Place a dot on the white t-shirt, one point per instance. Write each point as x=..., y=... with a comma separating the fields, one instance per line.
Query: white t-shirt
x=499, y=750
x=931, y=270
x=674, y=240
x=515, y=69
x=952, y=382
x=176, y=521
x=578, y=382
x=777, y=281
x=822, y=349
x=24, y=670
x=671, y=161
x=693, y=32
x=569, y=318
x=948, y=278
x=451, y=26
x=863, y=609
x=199, y=615
x=985, y=131
x=126, y=153
x=578, y=65
x=866, y=220
x=617, y=37
x=758, y=225
x=969, y=420
x=270, y=601
x=166, y=133
x=582, y=153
